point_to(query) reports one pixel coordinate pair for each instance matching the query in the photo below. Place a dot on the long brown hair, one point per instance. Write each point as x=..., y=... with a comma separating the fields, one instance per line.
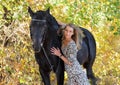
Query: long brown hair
x=77, y=34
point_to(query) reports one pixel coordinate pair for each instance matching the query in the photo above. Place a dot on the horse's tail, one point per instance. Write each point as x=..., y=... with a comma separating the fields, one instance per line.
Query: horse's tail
x=91, y=43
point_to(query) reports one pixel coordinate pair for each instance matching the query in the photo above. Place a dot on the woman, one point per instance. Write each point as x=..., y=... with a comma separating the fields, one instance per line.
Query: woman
x=70, y=46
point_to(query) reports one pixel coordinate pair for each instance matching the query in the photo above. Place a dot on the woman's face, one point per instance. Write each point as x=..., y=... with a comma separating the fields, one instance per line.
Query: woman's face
x=68, y=32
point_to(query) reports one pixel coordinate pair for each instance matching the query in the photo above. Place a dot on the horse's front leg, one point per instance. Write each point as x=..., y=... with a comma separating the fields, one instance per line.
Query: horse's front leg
x=45, y=77
x=60, y=75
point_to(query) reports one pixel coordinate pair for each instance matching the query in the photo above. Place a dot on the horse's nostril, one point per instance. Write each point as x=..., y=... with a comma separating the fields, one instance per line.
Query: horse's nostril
x=36, y=48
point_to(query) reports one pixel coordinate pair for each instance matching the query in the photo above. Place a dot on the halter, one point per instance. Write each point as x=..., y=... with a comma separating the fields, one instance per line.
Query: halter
x=45, y=53
x=38, y=20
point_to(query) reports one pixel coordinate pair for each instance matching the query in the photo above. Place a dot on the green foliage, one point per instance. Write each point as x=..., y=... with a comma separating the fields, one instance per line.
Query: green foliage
x=17, y=62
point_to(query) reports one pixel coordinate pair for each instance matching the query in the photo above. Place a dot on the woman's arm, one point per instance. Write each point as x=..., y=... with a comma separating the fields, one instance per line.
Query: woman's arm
x=56, y=51
x=65, y=60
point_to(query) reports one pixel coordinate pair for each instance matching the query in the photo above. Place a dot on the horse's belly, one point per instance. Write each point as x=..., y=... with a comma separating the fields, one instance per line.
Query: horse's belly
x=83, y=54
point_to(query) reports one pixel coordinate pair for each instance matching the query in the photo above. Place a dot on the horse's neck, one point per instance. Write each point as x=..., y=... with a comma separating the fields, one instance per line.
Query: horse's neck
x=52, y=35
x=52, y=39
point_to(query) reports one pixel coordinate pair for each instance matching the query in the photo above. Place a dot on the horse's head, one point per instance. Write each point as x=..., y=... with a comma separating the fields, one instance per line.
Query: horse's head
x=42, y=22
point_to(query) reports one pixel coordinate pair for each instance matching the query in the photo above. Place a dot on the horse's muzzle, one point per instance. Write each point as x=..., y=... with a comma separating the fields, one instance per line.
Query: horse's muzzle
x=36, y=49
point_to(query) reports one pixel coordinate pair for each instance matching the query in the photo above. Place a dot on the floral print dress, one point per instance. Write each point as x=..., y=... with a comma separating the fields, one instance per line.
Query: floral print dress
x=76, y=75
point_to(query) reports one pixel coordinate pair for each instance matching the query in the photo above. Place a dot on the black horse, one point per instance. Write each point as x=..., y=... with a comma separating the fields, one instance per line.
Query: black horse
x=43, y=32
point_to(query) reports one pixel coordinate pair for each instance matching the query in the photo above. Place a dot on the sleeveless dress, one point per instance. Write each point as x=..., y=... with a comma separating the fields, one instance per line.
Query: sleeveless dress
x=76, y=75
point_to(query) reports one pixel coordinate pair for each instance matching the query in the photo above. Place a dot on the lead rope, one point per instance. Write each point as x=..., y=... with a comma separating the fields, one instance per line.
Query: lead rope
x=51, y=66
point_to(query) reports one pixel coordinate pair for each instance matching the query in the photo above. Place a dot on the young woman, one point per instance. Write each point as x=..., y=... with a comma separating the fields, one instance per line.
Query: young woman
x=70, y=46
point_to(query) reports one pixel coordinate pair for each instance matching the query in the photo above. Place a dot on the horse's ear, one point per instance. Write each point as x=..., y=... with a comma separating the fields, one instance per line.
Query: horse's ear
x=30, y=11
x=48, y=10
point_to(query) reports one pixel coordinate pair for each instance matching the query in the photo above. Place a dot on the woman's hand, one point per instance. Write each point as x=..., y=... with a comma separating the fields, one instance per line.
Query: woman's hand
x=55, y=51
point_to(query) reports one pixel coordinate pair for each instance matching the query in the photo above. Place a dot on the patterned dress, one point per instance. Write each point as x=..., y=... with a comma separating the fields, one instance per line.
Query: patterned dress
x=76, y=75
